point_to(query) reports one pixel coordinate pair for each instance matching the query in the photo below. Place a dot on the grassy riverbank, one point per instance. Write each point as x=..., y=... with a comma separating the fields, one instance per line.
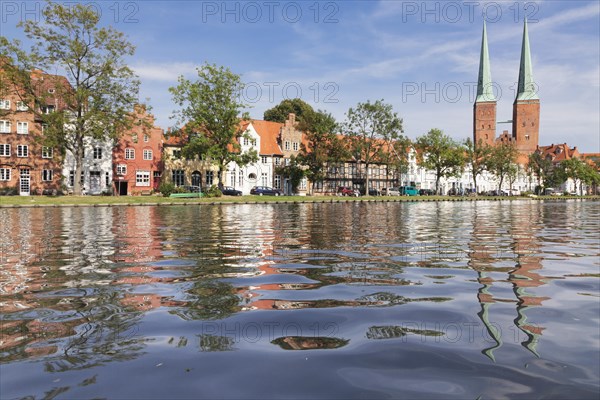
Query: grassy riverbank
x=32, y=201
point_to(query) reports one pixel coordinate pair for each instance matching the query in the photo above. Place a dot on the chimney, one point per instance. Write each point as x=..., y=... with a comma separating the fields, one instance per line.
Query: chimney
x=292, y=118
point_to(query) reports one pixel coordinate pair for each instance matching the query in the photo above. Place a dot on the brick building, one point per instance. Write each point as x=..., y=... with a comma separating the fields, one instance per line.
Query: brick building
x=27, y=165
x=137, y=156
x=526, y=107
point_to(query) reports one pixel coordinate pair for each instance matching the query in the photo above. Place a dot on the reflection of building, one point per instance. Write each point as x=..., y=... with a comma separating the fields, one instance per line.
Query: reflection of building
x=137, y=156
x=484, y=252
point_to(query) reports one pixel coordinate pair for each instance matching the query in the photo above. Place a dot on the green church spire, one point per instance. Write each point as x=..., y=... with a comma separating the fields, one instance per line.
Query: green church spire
x=484, y=81
x=527, y=89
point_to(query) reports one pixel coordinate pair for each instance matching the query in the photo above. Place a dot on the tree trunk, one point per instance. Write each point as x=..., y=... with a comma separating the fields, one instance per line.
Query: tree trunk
x=78, y=155
x=366, y=179
x=475, y=183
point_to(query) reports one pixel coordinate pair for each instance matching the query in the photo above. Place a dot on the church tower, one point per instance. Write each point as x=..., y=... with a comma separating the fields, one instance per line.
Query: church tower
x=526, y=108
x=484, y=109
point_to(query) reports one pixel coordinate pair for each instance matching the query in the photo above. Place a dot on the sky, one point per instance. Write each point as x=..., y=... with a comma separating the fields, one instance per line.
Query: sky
x=420, y=56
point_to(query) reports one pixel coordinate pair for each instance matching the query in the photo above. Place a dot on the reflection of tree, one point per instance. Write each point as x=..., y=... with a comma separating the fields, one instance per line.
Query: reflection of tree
x=216, y=343
x=309, y=342
x=211, y=300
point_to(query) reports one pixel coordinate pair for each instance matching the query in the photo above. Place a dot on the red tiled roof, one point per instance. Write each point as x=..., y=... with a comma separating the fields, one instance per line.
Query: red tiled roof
x=269, y=135
x=559, y=152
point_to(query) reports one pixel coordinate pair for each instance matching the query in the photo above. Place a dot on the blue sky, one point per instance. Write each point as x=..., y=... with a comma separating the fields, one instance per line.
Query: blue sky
x=420, y=56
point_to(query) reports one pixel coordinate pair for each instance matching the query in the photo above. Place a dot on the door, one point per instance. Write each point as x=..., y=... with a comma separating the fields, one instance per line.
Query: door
x=123, y=188
x=94, y=181
x=24, y=182
x=196, y=178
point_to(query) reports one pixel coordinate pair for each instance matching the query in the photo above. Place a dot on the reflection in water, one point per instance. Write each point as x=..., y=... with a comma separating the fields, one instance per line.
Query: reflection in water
x=81, y=288
x=309, y=343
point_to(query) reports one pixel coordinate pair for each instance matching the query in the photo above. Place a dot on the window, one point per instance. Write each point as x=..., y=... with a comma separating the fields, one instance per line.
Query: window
x=147, y=154
x=303, y=184
x=107, y=179
x=4, y=174
x=47, y=175
x=177, y=154
x=49, y=109
x=264, y=159
x=134, y=138
x=253, y=142
x=22, y=128
x=47, y=152
x=295, y=146
x=178, y=177
x=22, y=150
x=264, y=178
x=277, y=160
x=129, y=154
x=51, y=90
x=71, y=178
x=277, y=181
x=4, y=104
x=245, y=141
x=287, y=145
x=97, y=153
x=21, y=106
x=142, y=178
x=232, y=178
x=209, y=178
x=146, y=138
x=4, y=126
x=121, y=169
x=526, y=137
x=241, y=178
x=4, y=150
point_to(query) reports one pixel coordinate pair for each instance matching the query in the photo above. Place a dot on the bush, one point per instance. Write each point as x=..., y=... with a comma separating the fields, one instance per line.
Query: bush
x=166, y=189
x=9, y=191
x=214, y=192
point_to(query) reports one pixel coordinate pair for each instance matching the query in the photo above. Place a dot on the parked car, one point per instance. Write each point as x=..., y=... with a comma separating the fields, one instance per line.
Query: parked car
x=372, y=192
x=346, y=191
x=408, y=191
x=515, y=192
x=497, y=192
x=229, y=191
x=392, y=191
x=192, y=189
x=426, y=192
x=266, y=191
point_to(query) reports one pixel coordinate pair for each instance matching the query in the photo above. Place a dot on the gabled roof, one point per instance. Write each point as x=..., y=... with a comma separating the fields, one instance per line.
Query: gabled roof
x=559, y=152
x=269, y=135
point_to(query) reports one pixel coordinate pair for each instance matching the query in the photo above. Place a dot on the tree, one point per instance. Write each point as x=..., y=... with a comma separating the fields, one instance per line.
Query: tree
x=210, y=109
x=396, y=156
x=502, y=161
x=476, y=158
x=440, y=153
x=539, y=167
x=371, y=127
x=292, y=171
x=320, y=146
x=280, y=112
x=98, y=90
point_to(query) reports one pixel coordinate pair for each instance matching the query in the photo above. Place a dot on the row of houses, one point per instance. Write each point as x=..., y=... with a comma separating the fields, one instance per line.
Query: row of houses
x=144, y=157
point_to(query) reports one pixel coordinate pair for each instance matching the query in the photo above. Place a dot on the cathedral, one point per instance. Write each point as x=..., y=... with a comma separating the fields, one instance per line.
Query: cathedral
x=526, y=107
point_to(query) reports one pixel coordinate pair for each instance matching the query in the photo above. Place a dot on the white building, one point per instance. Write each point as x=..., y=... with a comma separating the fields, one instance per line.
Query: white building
x=96, y=174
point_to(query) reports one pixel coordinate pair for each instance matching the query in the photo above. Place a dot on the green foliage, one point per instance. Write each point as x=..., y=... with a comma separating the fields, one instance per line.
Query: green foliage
x=476, y=158
x=99, y=91
x=371, y=129
x=280, y=112
x=213, y=191
x=166, y=188
x=210, y=108
x=321, y=147
x=502, y=161
x=539, y=167
x=293, y=171
x=439, y=153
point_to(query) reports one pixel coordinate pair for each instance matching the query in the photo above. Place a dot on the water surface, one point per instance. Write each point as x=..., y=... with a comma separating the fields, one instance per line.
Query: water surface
x=353, y=300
